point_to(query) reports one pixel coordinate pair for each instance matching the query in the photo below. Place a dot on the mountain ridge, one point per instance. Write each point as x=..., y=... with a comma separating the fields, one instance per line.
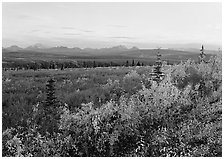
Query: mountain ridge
x=38, y=47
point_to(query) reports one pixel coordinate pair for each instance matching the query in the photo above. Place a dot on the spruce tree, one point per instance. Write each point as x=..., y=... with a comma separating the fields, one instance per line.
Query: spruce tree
x=157, y=73
x=94, y=64
x=202, y=55
x=51, y=100
x=127, y=63
x=133, y=63
x=62, y=66
x=50, y=113
x=138, y=64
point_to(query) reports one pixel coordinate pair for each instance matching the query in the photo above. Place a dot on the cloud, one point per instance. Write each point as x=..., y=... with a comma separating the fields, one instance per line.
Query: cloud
x=71, y=34
x=35, y=30
x=68, y=28
x=118, y=26
x=23, y=16
x=86, y=31
x=121, y=37
x=29, y=17
x=77, y=29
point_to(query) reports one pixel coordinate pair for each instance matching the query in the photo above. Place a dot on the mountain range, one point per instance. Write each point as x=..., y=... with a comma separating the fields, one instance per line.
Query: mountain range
x=68, y=51
x=116, y=53
x=88, y=51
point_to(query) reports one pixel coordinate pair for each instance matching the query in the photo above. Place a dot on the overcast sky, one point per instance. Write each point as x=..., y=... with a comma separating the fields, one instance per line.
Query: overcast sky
x=107, y=24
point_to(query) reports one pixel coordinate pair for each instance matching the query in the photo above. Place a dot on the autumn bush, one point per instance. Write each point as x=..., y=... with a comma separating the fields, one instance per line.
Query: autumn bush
x=181, y=116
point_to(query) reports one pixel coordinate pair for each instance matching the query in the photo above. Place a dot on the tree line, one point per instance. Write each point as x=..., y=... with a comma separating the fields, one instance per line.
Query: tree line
x=65, y=64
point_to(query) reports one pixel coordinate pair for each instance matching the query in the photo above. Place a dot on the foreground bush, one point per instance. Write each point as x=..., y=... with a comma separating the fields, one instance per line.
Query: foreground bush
x=180, y=116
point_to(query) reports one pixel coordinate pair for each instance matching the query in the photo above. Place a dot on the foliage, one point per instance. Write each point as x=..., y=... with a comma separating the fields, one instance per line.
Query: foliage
x=132, y=116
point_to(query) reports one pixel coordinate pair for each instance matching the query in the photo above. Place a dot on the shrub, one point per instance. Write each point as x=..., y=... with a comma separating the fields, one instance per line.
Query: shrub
x=179, y=116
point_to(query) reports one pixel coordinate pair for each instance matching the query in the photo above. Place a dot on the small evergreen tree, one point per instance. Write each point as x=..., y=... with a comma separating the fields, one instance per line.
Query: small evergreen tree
x=94, y=64
x=62, y=67
x=127, y=63
x=84, y=64
x=51, y=100
x=157, y=73
x=202, y=88
x=49, y=112
x=202, y=55
x=138, y=64
x=111, y=63
x=133, y=63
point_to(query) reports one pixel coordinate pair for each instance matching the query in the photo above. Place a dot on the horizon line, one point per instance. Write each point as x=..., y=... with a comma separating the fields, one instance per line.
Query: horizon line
x=125, y=46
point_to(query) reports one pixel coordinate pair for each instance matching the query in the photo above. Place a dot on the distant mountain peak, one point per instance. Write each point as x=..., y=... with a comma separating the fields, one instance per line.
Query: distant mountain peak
x=14, y=48
x=134, y=48
x=37, y=46
x=62, y=47
x=120, y=47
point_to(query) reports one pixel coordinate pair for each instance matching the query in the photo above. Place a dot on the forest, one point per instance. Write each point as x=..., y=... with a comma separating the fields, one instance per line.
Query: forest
x=114, y=111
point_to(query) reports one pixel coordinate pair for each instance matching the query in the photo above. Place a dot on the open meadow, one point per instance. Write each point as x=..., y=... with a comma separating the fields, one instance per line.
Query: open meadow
x=114, y=111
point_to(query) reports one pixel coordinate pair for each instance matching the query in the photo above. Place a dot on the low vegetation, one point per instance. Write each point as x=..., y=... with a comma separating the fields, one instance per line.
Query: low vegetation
x=114, y=111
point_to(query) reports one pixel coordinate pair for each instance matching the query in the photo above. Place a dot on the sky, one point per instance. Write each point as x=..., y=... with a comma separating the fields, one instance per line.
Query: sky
x=98, y=25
